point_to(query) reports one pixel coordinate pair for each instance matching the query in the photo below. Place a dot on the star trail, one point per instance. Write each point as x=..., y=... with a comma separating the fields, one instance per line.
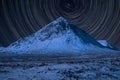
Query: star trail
x=20, y=18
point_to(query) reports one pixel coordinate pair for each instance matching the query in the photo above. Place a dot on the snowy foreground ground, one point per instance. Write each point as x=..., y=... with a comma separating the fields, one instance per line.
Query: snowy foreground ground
x=85, y=67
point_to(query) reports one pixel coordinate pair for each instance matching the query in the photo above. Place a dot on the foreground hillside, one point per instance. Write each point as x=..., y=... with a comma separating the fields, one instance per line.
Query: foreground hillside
x=85, y=67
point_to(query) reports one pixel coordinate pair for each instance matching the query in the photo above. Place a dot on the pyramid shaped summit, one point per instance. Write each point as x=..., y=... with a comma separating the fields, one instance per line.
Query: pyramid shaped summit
x=62, y=27
x=58, y=26
x=61, y=19
x=59, y=36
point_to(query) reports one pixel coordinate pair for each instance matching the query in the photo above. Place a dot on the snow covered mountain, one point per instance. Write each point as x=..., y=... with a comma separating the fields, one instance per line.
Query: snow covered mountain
x=59, y=36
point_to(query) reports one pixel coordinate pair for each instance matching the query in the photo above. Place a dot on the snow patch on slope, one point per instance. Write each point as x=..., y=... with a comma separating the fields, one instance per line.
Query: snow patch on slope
x=106, y=44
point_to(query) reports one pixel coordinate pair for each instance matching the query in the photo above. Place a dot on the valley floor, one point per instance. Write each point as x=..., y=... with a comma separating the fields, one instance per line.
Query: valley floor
x=85, y=67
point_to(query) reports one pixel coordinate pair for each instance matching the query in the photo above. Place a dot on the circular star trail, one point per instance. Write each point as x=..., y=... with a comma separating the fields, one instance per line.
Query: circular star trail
x=19, y=18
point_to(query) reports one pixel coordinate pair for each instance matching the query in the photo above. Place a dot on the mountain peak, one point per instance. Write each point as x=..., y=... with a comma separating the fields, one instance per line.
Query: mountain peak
x=54, y=29
x=58, y=25
x=61, y=19
x=60, y=22
x=61, y=27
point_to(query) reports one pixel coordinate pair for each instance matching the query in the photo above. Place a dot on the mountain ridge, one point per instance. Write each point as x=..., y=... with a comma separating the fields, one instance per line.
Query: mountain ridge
x=59, y=36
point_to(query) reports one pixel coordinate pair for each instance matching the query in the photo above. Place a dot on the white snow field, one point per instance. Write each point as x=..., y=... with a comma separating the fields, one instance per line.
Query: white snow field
x=106, y=44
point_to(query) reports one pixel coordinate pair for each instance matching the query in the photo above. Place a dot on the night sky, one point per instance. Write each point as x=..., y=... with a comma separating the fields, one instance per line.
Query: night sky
x=20, y=18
